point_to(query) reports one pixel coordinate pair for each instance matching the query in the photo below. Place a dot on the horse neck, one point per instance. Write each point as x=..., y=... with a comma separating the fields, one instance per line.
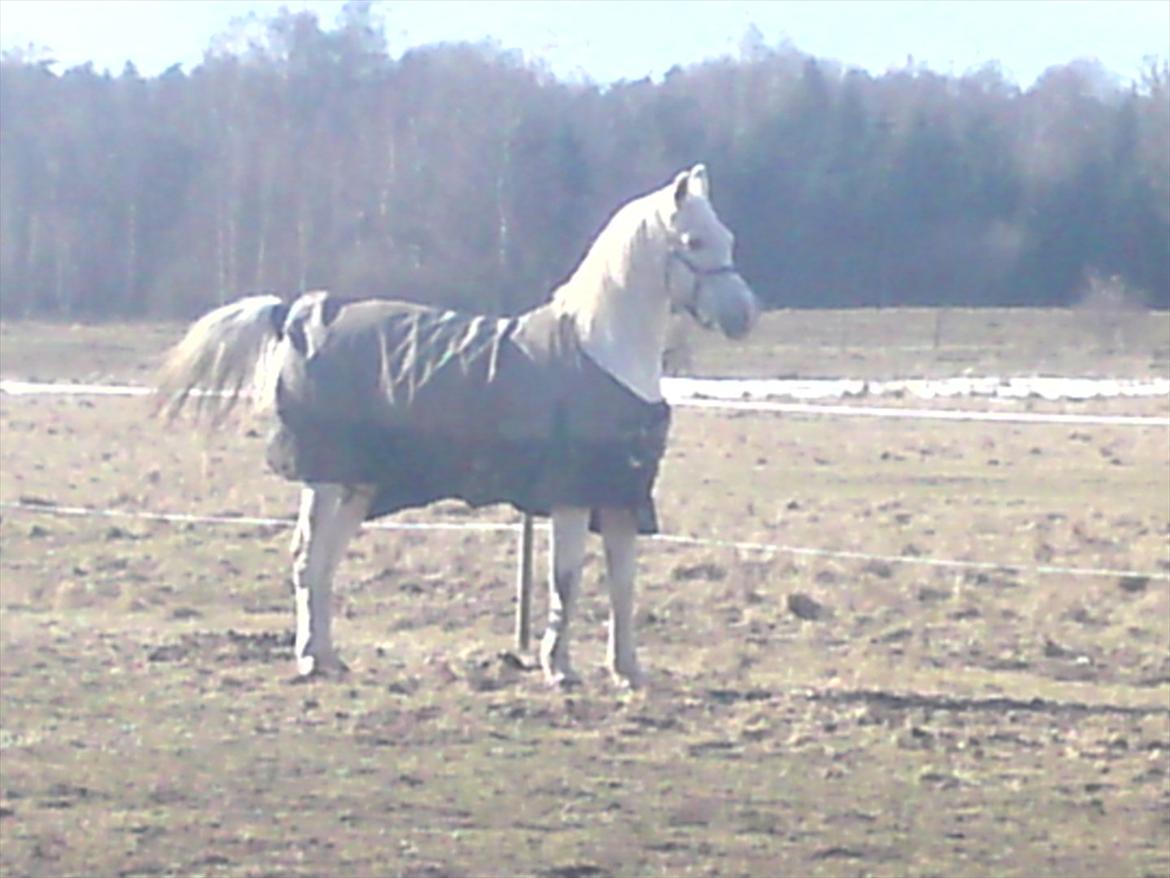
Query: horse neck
x=618, y=302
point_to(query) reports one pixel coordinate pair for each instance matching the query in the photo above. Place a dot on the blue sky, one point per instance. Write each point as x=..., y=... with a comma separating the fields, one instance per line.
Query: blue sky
x=607, y=40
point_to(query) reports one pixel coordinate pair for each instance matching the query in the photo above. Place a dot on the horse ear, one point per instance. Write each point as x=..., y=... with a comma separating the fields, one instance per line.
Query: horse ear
x=681, y=182
x=700, y=184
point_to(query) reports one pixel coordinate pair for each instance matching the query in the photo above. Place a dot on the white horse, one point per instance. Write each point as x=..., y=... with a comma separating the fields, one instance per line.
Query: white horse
x=664, y=251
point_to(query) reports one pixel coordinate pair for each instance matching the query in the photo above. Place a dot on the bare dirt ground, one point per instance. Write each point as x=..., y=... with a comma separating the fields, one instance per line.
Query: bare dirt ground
x=806, y=715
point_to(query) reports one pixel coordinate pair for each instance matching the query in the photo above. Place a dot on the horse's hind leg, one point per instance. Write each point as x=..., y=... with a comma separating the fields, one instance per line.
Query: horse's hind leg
x=569, y=527
x=329, y=517
x=619, y=529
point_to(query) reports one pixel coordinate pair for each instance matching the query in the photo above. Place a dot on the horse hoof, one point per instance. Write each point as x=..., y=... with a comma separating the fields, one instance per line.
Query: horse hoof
x=563, y=680
x=313, y=668
x=515, y=662
x=629, y=681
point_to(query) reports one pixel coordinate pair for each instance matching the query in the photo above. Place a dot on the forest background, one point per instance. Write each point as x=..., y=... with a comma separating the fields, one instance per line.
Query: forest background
x=464, y=175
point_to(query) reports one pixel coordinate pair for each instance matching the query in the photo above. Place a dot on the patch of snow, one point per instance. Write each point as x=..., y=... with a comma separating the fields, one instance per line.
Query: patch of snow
x=1038, y=387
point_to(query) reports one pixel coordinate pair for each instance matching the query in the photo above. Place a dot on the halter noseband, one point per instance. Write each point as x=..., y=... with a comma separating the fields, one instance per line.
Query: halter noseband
x=699, y=274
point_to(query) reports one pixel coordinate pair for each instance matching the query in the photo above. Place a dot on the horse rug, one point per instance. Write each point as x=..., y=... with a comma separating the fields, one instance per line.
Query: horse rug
x=427, y=404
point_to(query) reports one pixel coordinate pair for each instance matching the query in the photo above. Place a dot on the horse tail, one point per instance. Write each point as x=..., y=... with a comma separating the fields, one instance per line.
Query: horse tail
x=227, y=354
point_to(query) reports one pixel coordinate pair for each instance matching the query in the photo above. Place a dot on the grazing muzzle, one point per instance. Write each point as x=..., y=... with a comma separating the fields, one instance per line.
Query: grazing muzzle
x=718, y=298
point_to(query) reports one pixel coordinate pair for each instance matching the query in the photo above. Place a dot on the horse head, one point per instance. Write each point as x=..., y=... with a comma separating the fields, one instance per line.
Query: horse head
x=701, y=277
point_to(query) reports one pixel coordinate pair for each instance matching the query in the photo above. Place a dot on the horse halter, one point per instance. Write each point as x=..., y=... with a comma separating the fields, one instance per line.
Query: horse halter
x=700, y=275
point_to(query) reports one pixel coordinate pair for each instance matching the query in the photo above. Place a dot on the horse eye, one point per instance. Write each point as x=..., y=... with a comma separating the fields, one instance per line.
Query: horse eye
x=694, y=242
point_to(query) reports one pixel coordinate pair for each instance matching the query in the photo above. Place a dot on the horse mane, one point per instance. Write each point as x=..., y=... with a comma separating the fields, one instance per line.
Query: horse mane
x=609, y=261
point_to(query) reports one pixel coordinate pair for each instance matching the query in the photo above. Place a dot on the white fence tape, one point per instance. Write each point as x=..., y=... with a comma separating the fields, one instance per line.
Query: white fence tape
x=249, y=520
x=677, y=539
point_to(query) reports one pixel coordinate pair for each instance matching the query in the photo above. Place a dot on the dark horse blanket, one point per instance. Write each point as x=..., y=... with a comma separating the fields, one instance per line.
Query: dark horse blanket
x=428, y=404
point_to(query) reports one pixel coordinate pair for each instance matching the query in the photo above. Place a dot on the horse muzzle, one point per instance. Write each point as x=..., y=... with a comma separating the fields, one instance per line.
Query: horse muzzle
x=719, y=298
x=725, y=302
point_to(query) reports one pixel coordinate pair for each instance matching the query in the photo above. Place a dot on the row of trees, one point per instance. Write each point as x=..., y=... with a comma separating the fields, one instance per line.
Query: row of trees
x=298, y=157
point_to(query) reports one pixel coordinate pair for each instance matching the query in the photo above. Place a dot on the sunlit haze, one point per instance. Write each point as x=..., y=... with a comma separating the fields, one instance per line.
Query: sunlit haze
x=610, y=41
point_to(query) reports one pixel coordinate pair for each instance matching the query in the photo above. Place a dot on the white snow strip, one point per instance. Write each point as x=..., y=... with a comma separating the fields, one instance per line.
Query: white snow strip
x=820, y=409
x=756, y=395
x=1020, y=387
x=1035, y=387
x=37, y=388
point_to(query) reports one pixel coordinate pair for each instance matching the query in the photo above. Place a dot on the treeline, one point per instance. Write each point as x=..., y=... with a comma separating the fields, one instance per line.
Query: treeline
x=299, y=157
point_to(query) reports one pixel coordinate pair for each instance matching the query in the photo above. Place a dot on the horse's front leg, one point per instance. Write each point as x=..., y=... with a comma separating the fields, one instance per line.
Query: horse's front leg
x=619, y=529
x=569, y=527
x=329, y=517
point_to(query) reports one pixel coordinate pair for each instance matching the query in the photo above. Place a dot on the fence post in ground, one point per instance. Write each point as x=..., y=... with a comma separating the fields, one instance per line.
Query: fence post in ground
x=524, y=584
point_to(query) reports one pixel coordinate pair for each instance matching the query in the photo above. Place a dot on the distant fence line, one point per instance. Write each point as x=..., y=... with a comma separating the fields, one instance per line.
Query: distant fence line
x=48, y=508
x=22, y=388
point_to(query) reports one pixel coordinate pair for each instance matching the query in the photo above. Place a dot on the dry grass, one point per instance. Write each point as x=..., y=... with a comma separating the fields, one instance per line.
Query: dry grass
x=933, y=343
x=930, y=721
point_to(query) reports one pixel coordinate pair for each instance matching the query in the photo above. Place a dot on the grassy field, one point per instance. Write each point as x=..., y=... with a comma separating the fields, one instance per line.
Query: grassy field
x=929, y=721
